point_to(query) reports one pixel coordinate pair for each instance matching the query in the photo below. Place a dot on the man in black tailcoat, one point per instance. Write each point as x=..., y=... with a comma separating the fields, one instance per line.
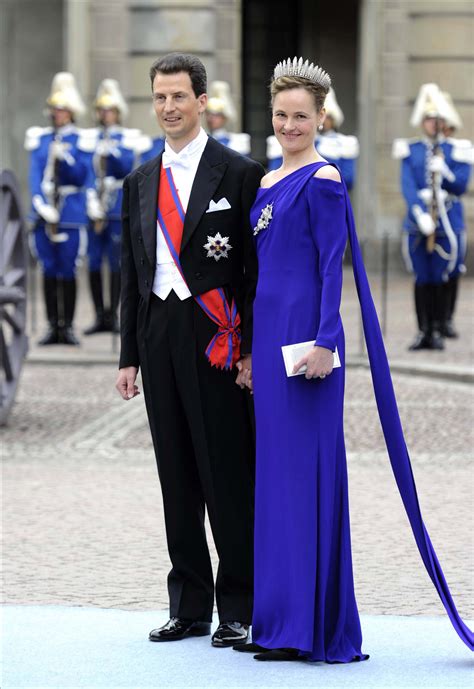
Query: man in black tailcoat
x=199, y=418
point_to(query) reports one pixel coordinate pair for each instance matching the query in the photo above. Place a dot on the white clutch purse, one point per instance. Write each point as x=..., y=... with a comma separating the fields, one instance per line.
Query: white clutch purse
x=293, y=353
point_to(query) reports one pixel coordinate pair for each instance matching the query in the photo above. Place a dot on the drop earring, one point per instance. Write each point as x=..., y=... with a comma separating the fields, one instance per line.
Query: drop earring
x=320, y=128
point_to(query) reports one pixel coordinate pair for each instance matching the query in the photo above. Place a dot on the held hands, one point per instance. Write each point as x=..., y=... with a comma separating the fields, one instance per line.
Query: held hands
x=126, y=382
x=319, y=362
x=244, y=377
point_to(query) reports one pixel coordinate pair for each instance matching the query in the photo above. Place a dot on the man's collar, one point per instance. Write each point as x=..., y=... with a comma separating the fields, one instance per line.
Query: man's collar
x=183, y=158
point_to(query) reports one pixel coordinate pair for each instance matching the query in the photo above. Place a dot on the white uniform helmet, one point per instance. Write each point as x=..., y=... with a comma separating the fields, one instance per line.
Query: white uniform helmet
x=64, y=94
x=332, y=108
x=453, y=118
x=430, y=102
x=109, y=95
x=220, y=101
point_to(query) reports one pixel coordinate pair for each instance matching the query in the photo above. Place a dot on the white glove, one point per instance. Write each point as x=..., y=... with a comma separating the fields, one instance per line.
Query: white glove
x=94, y=207
x=107, y=147
x=426, y=195
x=49, y=213
x=59, y=150
x=438, y=165
x=424, y=221
x=110, y=183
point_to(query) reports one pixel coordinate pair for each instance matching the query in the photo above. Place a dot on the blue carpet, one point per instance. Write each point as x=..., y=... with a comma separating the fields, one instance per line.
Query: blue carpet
x=51, y=647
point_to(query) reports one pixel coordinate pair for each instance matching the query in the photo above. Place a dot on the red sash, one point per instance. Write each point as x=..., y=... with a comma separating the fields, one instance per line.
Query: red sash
x=224, y=349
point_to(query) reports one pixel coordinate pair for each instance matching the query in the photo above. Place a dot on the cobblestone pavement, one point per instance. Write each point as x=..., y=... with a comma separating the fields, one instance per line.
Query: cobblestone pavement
x=82, y=515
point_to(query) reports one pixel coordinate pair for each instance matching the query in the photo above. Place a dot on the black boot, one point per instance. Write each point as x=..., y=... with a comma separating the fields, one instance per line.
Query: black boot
x=423, y=316
x=113, y=320
x=451, y=293
x=50, y=288
x=99, y=325
x=69, y=295
x=438, y=315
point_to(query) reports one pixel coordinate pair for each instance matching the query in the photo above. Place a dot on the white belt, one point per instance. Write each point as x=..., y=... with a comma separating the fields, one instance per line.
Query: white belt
x=67, y=189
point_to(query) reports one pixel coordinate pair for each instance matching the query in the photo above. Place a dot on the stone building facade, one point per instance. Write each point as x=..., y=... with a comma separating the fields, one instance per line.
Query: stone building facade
x=377, y=51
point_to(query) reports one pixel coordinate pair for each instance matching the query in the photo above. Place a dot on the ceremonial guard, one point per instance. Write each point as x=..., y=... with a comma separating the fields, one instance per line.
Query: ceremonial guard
x=59, y=163
x=434, y=174
x=337, y=148
x=149, y=148
x=115, y=150
x=464, y=151
x=220, y=114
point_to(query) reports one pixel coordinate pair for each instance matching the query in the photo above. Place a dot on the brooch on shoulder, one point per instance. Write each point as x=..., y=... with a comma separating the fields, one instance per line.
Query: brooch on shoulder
x=264, y=219
x=217, y=247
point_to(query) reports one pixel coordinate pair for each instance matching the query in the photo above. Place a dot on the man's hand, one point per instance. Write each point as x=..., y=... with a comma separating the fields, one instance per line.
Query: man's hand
x=319, y=362
x=244, y=377
x=126, y=382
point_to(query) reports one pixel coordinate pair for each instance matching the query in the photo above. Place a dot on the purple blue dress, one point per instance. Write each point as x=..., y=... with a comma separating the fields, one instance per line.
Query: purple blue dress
x=304, y=589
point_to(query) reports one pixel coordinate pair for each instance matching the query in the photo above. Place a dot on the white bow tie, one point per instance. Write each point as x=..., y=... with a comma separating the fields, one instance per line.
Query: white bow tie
x=176, y=159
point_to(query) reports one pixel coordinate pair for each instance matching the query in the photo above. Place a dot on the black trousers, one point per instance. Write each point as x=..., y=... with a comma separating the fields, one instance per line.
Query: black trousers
x=202, y=433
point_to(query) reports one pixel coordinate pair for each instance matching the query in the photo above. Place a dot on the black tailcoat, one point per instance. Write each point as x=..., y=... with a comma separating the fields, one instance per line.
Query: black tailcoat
x=199, y=418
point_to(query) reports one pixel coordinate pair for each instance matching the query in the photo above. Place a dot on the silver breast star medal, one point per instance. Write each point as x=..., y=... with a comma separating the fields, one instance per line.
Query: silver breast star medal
x=264, y=219
x=217, y=247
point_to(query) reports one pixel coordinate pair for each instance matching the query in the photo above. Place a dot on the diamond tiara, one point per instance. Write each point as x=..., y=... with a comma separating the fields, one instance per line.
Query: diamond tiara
x=298, y=68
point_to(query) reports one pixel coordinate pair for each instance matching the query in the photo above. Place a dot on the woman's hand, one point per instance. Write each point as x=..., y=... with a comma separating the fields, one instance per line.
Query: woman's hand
x=244, y=377
x=319, y=362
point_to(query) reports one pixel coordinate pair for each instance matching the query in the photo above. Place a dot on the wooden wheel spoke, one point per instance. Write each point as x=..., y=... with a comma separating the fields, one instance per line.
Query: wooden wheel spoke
x=6, y=203
x=14, y=276
x=10, y=239
x=13, y=267
x=16, y=320
x=5, y=354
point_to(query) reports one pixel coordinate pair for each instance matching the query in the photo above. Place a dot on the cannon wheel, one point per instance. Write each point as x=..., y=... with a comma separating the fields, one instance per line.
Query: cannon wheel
x=13, y=269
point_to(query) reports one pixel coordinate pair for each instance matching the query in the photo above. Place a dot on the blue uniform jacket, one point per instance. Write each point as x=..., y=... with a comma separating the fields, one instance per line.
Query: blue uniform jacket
x=72, y=173
x=416, y=178
x=118, y=164
x=150, y=148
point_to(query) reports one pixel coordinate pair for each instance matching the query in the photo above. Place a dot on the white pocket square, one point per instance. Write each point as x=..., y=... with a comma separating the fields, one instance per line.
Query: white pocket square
x=221, y=205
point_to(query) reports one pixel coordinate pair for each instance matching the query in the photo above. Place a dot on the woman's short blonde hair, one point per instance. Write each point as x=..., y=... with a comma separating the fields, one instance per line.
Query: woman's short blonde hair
x=317, y=91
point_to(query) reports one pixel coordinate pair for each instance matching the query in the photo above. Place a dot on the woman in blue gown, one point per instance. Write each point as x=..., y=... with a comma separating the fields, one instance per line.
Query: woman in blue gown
x=305, y=605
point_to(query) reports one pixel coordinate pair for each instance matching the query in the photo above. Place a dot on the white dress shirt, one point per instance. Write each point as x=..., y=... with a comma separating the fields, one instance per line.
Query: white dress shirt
x=183, y=167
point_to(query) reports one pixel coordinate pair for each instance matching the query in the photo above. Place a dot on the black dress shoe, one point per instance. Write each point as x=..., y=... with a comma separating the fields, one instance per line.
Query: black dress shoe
x=421, y=341
x=67, y=336
x=176, y=629
x=230, y=633
x=98, y=326
x=51, y=337
x=281, y=654
x=250, y=648
x=437, y=341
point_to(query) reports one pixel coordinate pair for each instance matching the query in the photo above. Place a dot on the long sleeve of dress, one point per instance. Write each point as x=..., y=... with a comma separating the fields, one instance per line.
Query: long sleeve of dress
x=327, y=209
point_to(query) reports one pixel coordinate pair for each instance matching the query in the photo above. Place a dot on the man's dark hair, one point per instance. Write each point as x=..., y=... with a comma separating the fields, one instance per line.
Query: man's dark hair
x=182, y=62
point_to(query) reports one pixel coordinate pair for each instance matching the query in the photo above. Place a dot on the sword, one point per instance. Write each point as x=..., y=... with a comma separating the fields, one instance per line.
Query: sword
x=435, y=184
x=52, y=228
